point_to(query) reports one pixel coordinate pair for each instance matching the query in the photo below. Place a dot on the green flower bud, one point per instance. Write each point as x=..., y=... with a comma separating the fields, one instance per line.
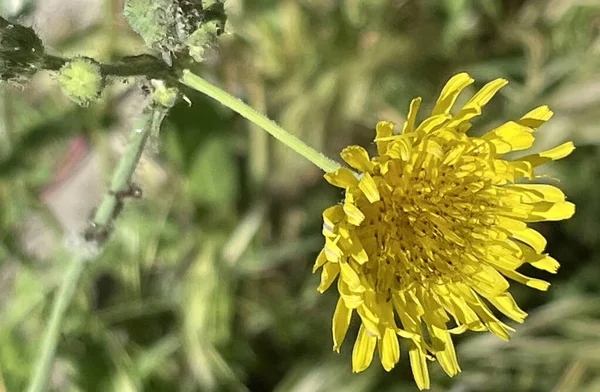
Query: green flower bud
x=21, y=52
x=81, y=80
x=163, y=94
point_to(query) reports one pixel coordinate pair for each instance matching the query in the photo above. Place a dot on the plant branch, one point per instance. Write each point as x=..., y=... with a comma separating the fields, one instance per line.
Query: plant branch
x=120, y=188
x=45, y=359
x=197, y=83
x=142, y=65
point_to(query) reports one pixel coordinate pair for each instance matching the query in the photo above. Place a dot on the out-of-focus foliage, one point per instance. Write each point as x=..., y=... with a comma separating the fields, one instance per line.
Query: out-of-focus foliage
x=206, y=284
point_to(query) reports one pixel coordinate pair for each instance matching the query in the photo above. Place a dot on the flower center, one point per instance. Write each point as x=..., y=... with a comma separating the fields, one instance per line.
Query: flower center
x=425, y=228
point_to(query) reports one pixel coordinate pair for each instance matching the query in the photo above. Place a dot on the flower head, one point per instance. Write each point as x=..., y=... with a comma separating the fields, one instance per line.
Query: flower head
x=432, y=227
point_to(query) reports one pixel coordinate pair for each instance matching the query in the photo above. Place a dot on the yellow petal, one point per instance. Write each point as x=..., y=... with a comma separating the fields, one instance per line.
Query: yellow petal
x=353, y=213
x=446, y=355
x=558, y=152
x=362, y=354
x=351, y=278
x=473, y=107
x=328, y=274
x=510, y=223
x=342, y=178
x=409, y=124
x=489, y=282
x=450, y=92
x=357, y=249
x=383, y=129
x=433, y=123
x=418, y=364
x=533, y=193
x=434, y=312
x=546, y=263
x=369, y=188
x=531, y=238
x=462, y=311
x=359, y=254
x=399, y=149
x=351, y=300
x=321, y=259
x=553, y=154
x=483, y=96
x=507, y=305
x=332, y=251
x=545, y=211
x=538, y=284
x=536, y=117
x=341, y=321
x=510, y=137
x=509, y=262
x=369, y=320
x=332, y=216
x=434, y=148
x=495, y=326
x=389, y=349
x=358, y=158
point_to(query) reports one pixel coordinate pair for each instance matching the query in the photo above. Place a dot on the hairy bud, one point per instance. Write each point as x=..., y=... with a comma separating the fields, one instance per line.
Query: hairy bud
x=81, y=80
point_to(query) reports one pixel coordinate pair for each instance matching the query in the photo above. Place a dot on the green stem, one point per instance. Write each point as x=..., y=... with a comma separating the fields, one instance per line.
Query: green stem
x=142, y=65
x=120, y=182
x=120, y=186
x=197, y=83
x=61, y=303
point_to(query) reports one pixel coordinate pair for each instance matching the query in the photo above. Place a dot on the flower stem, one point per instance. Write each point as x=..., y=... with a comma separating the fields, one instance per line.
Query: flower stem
x=197, y=83
x=46, y=358
x=120, y=187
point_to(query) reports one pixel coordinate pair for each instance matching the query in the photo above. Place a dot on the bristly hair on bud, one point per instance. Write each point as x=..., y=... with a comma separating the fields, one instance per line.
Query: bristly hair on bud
x=168, y=25
x=21, y=52
x=81, y=80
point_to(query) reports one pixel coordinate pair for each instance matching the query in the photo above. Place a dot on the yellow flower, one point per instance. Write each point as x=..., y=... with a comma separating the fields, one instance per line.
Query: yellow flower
x=430, y=229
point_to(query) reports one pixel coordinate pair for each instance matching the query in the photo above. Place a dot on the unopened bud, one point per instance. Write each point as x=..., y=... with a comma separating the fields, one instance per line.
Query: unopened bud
x=81, y=80
x=163, y=94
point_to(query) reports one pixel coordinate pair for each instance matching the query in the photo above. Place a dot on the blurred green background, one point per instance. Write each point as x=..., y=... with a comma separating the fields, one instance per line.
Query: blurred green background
x=206, y=284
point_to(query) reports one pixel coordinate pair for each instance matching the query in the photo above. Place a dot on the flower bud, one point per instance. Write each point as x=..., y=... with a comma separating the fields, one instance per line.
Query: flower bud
x=21, y=52
x=81, y=80
x=163, y=94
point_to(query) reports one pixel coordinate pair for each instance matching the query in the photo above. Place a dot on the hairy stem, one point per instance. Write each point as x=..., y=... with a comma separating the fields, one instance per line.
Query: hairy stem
x=120, y=187
x=197, y=83
x=142, y=65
